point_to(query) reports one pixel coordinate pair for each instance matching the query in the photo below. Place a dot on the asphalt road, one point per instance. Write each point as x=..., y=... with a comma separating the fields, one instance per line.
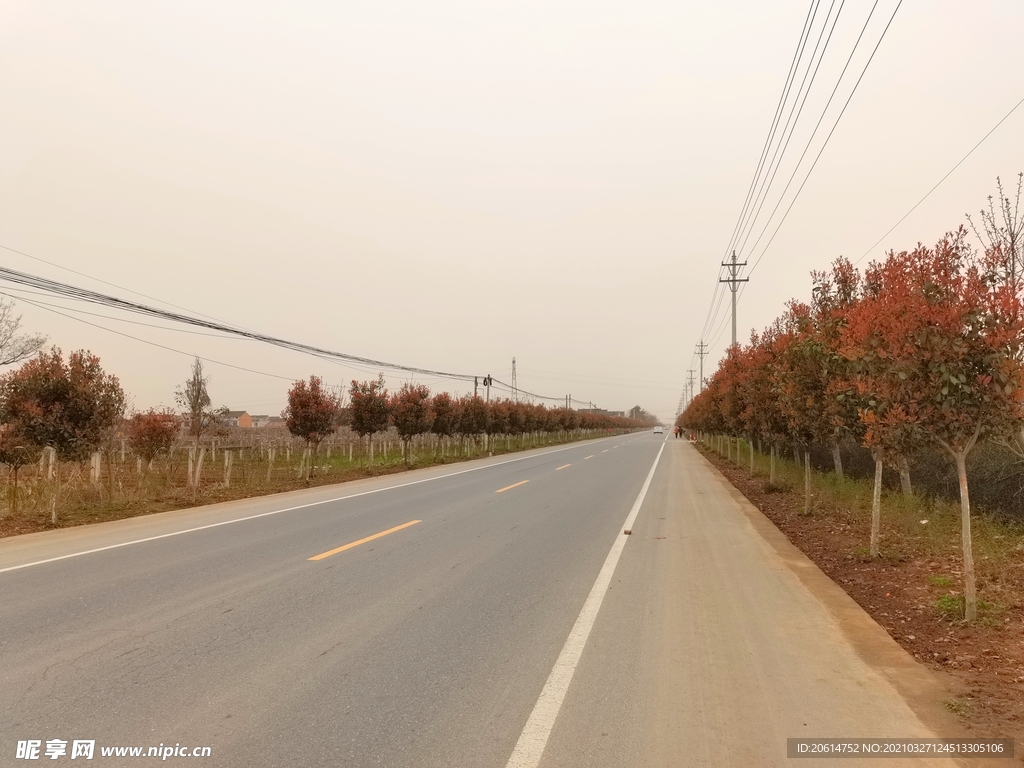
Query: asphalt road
x=438, y=643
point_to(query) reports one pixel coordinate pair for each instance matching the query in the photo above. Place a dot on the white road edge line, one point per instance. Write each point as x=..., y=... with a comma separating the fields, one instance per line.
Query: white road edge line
x=534, y=738
x=279, y=511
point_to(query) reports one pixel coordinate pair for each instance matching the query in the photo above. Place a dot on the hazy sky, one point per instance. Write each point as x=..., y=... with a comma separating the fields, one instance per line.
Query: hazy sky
x=449, y=185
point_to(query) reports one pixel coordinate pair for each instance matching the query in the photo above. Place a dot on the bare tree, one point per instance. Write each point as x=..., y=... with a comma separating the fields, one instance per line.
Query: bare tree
x=199, y=418
x=1002, y=232
x=15, y=347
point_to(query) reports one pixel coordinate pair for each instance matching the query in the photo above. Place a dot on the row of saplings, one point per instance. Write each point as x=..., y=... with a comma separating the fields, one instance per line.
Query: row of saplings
x=925, y=348
x=314, y=413
x=70, y=409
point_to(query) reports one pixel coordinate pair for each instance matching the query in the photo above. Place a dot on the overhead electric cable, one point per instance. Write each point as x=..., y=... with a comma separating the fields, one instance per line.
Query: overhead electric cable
x=87, y=295
x=104, y=282
x=753, y=219
x=793, y=119
x=812, y=10
x=827, y=138
x=146, y=341
x=948, y=174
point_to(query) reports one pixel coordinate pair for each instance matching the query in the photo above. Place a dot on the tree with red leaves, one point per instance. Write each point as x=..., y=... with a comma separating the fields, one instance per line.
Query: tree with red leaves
x=70, y=406
x=152, y=433
x=370, y=410
x=936, y=335
x=16, y=450
x=312, y=414
x=411, y=414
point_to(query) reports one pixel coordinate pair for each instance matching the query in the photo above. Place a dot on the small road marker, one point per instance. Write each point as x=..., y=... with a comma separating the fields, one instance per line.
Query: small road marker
x=510, y=487
x=562, y=467
x=322, y=555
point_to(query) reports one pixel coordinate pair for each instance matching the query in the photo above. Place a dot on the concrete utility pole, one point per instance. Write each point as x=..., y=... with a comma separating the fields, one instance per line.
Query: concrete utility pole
x=702, y=352
x=689, y=383
x=515, y=383
x=487, y=383
x=734, y=281
x=476, y=385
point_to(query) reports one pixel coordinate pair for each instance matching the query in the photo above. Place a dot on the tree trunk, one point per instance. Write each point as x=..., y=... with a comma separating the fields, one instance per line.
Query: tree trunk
x=110, y=474
x=199, y=472
x=904, y=469
x=807, y=481
x=311, y=449
x=227, y=468
x=14, y=489
x=970, y=588
x=837, y=460
x=371, y=450
x=270, y=462
x=406, y=450
x=796, y=454
x=876, y=506
x=56, y=497
x=751, y=446
x=771, y=466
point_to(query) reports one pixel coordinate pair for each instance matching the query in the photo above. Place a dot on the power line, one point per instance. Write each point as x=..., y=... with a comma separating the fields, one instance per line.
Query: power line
x=783, y=145
x=789, y=137
x=146, y=341
x=104, y=282
x=948, y=174
x=801, y=45
x=53, y=287
x=94, y=297
x=827, y=138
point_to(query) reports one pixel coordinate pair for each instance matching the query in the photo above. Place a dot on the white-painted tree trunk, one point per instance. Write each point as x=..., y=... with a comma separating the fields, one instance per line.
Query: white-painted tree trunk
x=876, y=507
x=837, y=461
x=970, y=588
x=904, y=470
x=199, y=469
x=807, y=481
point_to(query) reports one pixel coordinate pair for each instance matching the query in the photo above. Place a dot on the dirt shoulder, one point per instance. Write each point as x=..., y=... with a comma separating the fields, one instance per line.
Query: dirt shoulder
x=906, y=591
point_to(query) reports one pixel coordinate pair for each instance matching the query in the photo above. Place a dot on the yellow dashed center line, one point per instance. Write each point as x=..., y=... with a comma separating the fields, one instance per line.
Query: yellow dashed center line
x=510, y=487
x=562, y=467
x=322, y=555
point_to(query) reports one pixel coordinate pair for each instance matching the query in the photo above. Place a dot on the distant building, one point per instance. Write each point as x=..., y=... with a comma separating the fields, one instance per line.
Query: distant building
x=260, y=420
x=238, y=419
x=601, y=412
x=276, y=422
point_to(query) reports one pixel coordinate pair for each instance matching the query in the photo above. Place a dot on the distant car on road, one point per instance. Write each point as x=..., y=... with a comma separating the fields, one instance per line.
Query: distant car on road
x=659, y=430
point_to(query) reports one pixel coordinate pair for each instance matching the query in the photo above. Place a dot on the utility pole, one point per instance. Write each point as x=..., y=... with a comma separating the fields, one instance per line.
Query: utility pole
x=702, y=352
x=487, y=384
x=690, y=382
x=515, y=383
x=734, y=281
x=476, y=384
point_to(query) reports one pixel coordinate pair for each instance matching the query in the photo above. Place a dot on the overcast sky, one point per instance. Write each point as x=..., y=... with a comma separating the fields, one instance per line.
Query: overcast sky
x=449, y=185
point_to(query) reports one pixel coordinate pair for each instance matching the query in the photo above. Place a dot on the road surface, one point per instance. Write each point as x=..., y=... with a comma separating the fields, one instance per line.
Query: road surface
x=470, y=633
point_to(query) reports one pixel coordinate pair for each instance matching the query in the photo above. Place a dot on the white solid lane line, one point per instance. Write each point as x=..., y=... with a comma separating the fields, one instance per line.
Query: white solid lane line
x=279, y=511
x=534, y=738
